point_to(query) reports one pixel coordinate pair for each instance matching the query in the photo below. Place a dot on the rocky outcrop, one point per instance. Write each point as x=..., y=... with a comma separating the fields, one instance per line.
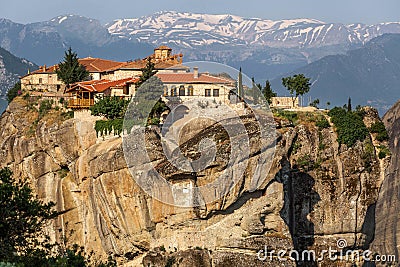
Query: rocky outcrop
x=315, y=193
x=387, y=234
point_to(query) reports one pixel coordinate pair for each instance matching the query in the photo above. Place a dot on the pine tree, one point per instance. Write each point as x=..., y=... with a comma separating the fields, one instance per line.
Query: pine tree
x=70, y=70
x=22, y=219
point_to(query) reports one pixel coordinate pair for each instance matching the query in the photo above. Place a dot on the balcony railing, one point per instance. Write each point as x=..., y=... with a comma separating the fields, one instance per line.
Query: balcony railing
x=80, y=103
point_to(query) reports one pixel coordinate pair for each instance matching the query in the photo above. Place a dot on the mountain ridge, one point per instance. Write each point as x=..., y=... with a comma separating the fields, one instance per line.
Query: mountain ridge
x=11, y=67
x=369, y=75
x=303, y=32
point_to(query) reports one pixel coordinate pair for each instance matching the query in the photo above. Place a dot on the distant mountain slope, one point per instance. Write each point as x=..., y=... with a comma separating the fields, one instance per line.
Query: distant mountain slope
x=11, y=68
x=190, y=30
x=266, y=48
x=369, y=75
x=45, y=42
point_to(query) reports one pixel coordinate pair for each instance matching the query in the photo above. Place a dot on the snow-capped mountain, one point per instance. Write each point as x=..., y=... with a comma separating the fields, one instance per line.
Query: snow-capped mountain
x=189, y=30
x=266, y=48
x=45, y=42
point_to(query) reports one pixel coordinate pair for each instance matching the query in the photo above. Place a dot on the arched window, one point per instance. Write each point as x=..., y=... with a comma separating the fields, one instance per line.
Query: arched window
x=190, y=90
x=173, y=90
x=165, y=90
x=181, y=90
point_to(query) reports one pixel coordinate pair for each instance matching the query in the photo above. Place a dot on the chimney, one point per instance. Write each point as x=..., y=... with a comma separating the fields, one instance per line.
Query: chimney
x=196, y=72
x=44, y=68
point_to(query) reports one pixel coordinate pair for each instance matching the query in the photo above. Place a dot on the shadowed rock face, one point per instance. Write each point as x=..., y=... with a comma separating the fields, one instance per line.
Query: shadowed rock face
x=387, y=233
x=315, y=193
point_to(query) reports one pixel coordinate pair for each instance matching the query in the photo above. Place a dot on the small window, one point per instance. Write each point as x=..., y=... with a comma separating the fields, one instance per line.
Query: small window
x=181, y=90
x=165, y=90
x=216, y=92
x=190, y=90
x=40, y=80
x=207, y=92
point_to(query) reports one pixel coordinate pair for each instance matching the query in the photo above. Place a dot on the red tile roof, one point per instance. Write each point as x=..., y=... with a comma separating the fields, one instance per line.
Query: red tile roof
x=189, y=78
x=44, y=69
x=99, y=86
x=91, y=65
x=99, y=65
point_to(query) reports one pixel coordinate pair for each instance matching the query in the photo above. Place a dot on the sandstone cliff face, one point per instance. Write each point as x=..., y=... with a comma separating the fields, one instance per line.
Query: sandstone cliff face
x=315, y=193
x=387, y=232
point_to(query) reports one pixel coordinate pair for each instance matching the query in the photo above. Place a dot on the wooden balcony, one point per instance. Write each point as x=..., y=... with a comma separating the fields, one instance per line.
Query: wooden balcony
x=80, y=103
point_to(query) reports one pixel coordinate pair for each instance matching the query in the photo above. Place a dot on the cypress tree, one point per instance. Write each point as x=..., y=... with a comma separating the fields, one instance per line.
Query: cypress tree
x=349, y=108
x=240, y=84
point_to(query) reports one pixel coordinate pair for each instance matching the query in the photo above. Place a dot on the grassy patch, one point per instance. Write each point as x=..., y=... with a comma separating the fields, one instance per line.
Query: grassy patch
x=285, y=114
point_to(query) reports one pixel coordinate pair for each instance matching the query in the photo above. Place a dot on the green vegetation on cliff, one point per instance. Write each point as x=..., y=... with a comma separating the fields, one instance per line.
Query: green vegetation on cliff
x=14, y=92
x=349, y=126
x=23, y=242
x=379, y=129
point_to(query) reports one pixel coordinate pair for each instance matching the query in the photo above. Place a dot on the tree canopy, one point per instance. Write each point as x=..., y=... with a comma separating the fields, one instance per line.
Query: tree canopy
x=297, y=85
x=22, y=240
x=70, y=70
x=111, y=107
x=14, y=91
x=22, y=218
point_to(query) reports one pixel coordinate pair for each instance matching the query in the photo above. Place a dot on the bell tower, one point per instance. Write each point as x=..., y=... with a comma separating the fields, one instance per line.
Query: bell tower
x=162, y=53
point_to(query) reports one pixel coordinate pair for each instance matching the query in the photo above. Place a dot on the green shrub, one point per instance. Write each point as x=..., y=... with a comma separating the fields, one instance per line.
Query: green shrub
x=306, y=163
x=44, y=107
x=68, y=115
x=368, y=155
x=170, y=261
x=7, y=264
x=154, y=121
x=322, y=123
x=105, y=127
x=111, y=107
x=14, y=92
x=383, y=152
x=26, y=96
x=349, y=126
x=379, y=128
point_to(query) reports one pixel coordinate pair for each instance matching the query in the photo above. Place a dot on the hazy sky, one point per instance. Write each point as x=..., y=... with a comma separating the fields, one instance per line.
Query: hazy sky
x=347, y=11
